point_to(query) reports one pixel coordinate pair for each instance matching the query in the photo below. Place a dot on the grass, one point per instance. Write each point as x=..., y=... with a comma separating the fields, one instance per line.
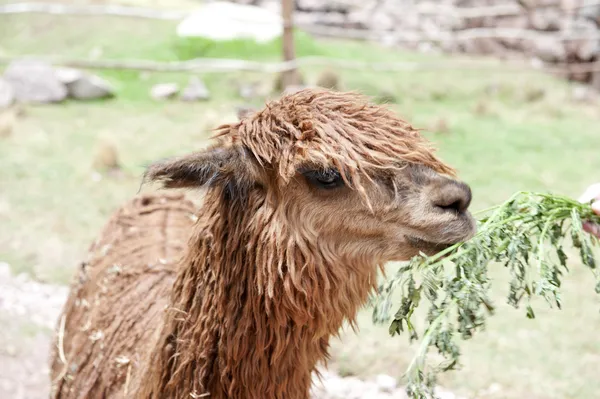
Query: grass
x=52, y=203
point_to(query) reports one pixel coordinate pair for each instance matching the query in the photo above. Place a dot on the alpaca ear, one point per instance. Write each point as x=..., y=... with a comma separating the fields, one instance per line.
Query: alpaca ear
x=213, y=166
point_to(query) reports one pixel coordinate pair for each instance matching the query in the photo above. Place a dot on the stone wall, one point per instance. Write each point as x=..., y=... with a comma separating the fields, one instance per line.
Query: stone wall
x=535, y=29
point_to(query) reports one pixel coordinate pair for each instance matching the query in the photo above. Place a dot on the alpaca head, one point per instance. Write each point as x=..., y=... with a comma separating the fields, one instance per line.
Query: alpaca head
x=337, y=173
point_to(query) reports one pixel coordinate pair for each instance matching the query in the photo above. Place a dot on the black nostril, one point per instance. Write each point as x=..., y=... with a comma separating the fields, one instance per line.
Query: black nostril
x=455, y=206
x=453, y=196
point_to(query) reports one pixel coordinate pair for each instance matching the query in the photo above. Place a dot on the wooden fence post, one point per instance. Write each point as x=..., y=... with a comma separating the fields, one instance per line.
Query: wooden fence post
x=290, y=77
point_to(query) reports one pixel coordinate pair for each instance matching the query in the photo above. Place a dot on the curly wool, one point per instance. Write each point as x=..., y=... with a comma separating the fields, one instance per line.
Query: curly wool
x=322, y=126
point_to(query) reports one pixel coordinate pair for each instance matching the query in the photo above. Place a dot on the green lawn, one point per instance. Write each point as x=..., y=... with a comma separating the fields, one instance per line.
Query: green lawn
x=52, y=204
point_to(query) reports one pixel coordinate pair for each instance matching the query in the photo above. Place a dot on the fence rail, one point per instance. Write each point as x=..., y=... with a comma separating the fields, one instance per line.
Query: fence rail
x=92, y=10
x=234, y=65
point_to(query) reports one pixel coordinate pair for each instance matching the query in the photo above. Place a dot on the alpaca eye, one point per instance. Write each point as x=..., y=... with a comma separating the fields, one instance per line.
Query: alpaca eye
x=329, y=178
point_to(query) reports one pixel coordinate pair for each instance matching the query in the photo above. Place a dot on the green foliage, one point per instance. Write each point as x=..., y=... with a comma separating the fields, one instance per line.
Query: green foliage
x=190, y=48
x=526, y=234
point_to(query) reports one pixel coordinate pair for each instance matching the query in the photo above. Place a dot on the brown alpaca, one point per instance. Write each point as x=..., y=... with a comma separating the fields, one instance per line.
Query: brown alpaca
x=306, y=200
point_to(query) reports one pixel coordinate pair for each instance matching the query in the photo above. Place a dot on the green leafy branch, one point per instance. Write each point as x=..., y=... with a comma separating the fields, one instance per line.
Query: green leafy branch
x=527, y=235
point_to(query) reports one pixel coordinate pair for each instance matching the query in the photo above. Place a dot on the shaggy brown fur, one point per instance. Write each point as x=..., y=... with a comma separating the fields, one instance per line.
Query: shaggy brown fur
x=306, y=199
x=119, y=295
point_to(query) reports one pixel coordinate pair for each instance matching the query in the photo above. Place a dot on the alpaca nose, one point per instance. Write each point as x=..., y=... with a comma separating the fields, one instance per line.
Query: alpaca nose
x=452, y=196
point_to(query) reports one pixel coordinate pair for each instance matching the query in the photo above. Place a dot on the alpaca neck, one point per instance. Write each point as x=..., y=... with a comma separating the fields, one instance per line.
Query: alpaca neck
x=249, y=319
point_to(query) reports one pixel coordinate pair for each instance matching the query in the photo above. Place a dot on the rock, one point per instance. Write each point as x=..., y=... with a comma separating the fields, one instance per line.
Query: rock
x=581, y=94
x=549, y=50
x=450, y=46
x=163, y=91
x=329, y=80
x=35, y=82
x=7, y=95
x=360, y=18
x=106, y=157
x=588, y=50
x=512, y=22
x=248, y=90
x=483, y=45
x=196, y=90
x=585, y=49
x=386, y=383
x=426, y=48
x=590, y=10
x=68, y=75
x=254, y=89
x=328, y=19
x=595, y=81
x=41, y=83
x=221, y=20
x=546, y=19
x=89, y=87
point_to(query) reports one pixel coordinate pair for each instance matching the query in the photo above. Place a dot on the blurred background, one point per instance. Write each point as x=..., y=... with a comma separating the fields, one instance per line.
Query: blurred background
x=93, y=90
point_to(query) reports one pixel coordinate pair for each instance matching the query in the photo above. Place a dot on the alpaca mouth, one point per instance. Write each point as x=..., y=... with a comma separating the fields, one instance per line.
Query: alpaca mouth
x=428, y=247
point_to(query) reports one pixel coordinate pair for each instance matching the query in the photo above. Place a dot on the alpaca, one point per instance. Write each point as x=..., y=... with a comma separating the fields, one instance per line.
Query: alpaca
x=305, y=201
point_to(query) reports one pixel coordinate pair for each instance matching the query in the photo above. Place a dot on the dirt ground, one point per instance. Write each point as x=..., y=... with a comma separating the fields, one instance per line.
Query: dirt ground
x=24, y=371
x=28, y=311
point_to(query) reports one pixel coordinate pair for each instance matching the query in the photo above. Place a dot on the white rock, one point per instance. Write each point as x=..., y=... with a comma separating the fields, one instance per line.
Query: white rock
x=89, y=87
x=248, y=90
x=222, y=20
x=549, y=49
x=546, y=19
x=163, y=91
x=582, y=94
x=588, y=50
x=590, y=9
x=7, y=94
x=68, y=75
x=196, y=90
x=35, y=82
x=386, y=383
